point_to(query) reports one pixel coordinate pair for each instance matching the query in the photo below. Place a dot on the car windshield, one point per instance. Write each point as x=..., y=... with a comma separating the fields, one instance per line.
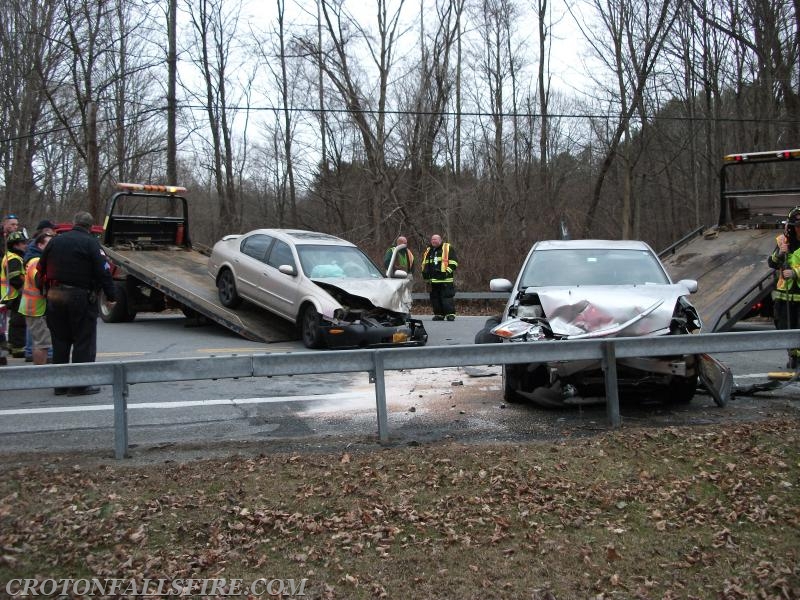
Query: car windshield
x=323, y=262
x=595, y=266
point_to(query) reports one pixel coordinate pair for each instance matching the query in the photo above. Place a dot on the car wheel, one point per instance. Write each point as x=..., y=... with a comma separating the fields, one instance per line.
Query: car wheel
x=510, y=394
x=682, y=389
x=226, y=287
x=117, y=312
x=483, y=336
x=309, y=328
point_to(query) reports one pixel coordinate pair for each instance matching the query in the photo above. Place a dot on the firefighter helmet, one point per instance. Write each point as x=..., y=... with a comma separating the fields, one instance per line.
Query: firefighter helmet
x=14, y=238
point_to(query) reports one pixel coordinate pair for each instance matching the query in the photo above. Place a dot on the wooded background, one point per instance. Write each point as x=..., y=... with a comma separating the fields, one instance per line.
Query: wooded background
x=372, y=118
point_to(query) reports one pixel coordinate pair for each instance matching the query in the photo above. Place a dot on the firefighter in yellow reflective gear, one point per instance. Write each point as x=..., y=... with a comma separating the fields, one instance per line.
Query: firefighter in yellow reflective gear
x=34, y=304
x=785, y=259
x=439, y=263
x=12, y=278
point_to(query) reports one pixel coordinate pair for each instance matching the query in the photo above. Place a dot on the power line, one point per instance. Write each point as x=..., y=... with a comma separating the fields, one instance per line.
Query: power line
x=366, y=111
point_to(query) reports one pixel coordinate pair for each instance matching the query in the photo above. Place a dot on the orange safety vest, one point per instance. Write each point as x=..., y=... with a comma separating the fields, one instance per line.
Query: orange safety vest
x=33, y=304
x=7, y=291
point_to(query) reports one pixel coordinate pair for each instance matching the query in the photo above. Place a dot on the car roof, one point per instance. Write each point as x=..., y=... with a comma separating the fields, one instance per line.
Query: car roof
x=301, y=236
x=591, y=245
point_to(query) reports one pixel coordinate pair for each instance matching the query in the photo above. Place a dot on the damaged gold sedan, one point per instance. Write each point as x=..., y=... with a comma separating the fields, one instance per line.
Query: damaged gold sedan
x=335, y=295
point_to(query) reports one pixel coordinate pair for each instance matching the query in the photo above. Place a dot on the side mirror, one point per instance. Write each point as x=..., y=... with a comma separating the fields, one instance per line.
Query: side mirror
x=390, y=270
x=399, y=274
x=689, y=284
x=287, y=270
x=500, y=285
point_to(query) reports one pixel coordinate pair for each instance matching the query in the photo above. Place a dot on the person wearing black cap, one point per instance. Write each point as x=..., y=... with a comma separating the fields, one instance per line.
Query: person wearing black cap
x=45, y=226
x=12, y=278
x=785, y=259
x=75, y=269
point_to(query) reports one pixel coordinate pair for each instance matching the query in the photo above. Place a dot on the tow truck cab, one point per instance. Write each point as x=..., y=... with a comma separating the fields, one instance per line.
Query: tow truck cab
x=142, y=217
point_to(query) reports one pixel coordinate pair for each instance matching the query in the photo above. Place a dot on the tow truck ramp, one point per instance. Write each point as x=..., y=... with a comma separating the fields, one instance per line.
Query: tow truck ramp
x=731, y=272
x=182, y=276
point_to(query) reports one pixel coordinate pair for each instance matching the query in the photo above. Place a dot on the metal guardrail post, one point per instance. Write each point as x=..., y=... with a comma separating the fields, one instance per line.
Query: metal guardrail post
x=120, y=412
x=380, y=397
x=612, y=391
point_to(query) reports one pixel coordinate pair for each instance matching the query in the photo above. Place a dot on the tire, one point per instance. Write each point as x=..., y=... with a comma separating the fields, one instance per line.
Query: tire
x=682, y=389
x=118, y=312
x=484, y=337
x=226, y=288
x=309, y=328
x=510, y=394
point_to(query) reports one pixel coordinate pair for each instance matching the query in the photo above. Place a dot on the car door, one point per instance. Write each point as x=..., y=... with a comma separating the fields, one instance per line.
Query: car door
x=281, y=290
x=249, y=265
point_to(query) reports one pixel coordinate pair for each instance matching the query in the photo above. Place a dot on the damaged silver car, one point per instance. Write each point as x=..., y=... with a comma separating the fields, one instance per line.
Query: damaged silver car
x=327, y=286
x=579, y=289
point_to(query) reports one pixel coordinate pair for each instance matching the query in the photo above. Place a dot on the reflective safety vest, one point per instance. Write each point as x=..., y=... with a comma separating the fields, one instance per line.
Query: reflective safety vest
x=788, y=289
x=33, y=304
x=445, y=265
x=405, y=260
x=11, y=267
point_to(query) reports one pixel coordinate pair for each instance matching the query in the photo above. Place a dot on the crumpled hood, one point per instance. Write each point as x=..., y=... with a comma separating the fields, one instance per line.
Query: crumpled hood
x=600, y=311
x=391, y=294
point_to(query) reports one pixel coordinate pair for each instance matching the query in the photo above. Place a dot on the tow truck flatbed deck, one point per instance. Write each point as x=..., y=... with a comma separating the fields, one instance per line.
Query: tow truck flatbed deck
x=731, y=271
x=181, y=274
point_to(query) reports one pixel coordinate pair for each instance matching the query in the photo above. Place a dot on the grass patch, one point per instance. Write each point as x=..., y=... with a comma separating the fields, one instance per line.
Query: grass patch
x=673, y=513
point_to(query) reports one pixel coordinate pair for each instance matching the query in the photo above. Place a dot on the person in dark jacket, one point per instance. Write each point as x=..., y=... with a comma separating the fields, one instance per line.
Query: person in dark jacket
x=75, y=270
x=439, y=263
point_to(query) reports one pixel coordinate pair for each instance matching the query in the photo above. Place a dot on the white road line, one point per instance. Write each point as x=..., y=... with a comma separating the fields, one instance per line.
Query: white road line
x=182, y=404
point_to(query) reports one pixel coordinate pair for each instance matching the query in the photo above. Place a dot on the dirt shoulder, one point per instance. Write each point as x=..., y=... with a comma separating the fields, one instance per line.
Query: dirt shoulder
x=682, y=511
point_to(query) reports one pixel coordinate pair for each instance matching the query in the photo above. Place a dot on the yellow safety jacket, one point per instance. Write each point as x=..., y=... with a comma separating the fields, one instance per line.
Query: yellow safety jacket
x=33, y=304
x=787, y=289
x=405, y=261
x=10, y=268
x=445, y=264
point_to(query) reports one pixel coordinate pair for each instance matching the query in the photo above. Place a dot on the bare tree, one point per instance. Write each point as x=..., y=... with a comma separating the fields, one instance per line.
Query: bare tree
x=367, y=113
x=172, y=90
x=214, y=32
x=425, y=121
x=274, y=55
x=26, y=65
x=766, y=35
x=636, y=32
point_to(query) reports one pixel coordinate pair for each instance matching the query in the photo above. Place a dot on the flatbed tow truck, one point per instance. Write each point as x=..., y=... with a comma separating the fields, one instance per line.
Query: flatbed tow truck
x=156, y=267
x=729, y=260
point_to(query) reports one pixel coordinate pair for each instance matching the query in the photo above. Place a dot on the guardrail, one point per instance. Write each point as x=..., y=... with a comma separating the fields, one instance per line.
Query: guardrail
x=466, y=296
x=121, y=374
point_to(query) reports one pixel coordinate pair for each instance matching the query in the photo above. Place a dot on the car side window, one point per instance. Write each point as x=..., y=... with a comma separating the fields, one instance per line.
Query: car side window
x=281, y=254
x=256, y=246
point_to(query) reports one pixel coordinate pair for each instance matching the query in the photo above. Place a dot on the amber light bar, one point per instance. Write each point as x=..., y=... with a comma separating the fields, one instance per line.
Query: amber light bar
x=143, y=187
x=762, y=156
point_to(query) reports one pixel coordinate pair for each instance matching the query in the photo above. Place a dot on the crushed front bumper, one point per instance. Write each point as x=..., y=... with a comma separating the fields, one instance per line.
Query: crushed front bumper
x=366, y=335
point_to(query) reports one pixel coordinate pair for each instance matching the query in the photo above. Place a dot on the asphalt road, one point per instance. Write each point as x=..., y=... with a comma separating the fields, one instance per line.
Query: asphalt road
x=323, y=411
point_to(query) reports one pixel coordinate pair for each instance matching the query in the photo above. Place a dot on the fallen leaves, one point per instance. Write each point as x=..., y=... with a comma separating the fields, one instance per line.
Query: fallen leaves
x=652, y=513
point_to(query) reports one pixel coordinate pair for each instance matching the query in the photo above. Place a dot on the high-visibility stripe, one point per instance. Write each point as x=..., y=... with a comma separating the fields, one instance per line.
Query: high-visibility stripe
x=33, y=304
x=7, y=291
